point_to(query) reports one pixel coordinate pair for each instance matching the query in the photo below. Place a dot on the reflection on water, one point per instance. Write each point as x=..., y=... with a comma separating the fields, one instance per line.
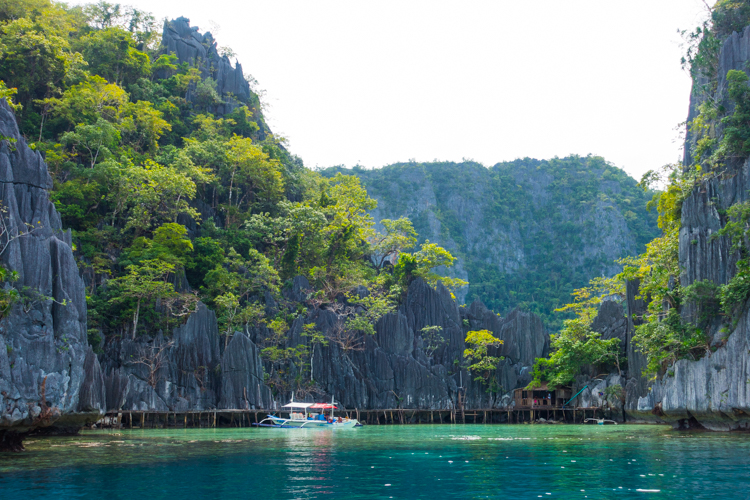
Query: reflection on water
x=441, y=461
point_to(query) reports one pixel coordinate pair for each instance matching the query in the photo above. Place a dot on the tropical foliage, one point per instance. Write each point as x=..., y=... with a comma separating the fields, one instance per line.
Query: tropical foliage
x=170, y=204
x=680, y=319
x=527, y=232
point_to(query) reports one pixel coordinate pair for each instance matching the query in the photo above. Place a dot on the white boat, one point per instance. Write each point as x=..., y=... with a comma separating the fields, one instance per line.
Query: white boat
x=304, y=418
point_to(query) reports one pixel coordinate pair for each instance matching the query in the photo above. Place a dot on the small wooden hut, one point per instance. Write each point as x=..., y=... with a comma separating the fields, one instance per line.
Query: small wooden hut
x=541, y=397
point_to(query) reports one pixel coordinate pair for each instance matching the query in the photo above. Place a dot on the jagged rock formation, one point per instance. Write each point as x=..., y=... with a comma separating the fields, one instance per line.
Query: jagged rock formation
x=200, y=51
x=712, y=392
x=391, y=369
x=48, y=373
x=190, y=371
x=616, y=320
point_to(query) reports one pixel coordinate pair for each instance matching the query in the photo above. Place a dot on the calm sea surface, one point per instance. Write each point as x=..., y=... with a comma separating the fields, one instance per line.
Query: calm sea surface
x=418, y=461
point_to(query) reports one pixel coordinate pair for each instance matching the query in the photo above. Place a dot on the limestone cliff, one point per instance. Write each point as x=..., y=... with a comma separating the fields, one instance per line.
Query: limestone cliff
x=200, y=50
x=712, y=392
x=194, y=371
x=188, y=371
x=48, y=373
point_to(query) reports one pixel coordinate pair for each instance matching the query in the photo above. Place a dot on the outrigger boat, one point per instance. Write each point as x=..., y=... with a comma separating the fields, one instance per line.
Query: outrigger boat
x=304, y=418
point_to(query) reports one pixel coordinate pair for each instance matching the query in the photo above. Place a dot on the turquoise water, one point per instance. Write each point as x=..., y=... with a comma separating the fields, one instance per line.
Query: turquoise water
x=424, y=461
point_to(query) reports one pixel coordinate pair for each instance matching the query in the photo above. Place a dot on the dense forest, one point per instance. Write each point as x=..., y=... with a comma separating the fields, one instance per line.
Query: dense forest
x=527, y=232
x=177, y=192
x=692, y=307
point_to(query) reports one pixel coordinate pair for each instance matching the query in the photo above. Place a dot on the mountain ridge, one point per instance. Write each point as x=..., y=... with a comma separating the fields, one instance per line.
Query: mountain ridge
x=515, y=225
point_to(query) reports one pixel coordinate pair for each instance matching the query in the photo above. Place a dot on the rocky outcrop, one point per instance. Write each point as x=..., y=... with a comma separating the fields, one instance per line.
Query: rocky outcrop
x=711, y=392
x=48, y=373
x=190, y=371
x=391, y=369
x=394, y=369
x=200, y=50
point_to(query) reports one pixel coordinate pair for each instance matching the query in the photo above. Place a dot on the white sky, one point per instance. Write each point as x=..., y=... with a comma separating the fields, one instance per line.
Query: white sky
x=372, y=83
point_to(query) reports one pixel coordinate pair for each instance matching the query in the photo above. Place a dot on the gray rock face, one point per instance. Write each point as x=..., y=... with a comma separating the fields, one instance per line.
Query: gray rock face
x=189, y=372
x=242, y=384
x=393, y=370
x=45, y=360
x=200, y=50
x=734, y=54
x=611, y=323
x=712, y=392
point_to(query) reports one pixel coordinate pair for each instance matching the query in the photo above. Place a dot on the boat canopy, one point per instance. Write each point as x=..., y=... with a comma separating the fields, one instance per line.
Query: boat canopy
x=295, y=404
x=324, y=406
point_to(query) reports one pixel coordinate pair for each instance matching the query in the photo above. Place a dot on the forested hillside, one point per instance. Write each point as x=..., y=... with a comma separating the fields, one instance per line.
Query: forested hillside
x=175, y=189
x=527, y=232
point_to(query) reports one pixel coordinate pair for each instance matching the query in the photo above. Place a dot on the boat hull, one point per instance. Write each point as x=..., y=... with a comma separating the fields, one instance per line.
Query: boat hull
x=313, y=424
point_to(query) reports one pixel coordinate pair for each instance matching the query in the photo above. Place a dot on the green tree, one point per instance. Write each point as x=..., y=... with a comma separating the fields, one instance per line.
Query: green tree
x=36, y=60
x=143, y=282
x=7, y=94
x=228, y=306
x=399, y=236
x=142, y=126
x=103, y=15
x=156, y=193
x=481, y=364
x=89, y=101
x=92, y=143
x=111, y=53
x=252, y=176
x=574, y=347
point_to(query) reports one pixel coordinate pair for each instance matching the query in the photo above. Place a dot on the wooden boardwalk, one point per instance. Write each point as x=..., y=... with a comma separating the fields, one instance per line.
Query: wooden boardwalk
x=398, y=416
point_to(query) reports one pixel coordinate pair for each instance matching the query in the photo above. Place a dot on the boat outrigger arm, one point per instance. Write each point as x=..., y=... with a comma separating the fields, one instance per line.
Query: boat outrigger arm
x=577, y=393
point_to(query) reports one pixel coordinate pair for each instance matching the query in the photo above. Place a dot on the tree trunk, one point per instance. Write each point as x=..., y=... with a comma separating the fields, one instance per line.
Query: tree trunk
x=312, y=355
x=231, y=185
x=135, y=317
